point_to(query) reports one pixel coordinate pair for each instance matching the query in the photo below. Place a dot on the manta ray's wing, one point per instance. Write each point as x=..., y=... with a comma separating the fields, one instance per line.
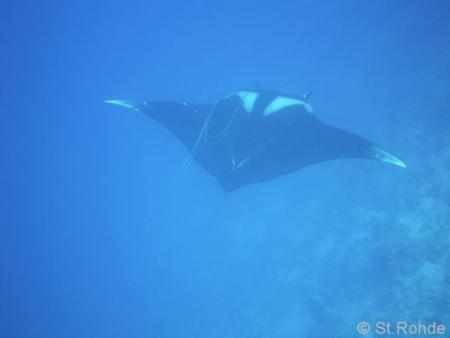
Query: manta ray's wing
x=189, y=123
x=272, y=145
x=183, y=120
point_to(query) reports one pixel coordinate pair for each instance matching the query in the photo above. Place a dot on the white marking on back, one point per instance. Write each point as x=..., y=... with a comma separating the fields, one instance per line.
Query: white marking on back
x=248, y=99
x=281, y=102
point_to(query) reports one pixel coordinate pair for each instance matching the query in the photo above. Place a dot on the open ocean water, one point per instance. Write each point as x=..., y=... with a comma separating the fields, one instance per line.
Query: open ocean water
x=100, y=236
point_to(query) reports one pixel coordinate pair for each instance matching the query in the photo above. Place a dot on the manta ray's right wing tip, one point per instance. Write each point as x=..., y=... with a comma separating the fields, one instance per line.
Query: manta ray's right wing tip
x=385, y=156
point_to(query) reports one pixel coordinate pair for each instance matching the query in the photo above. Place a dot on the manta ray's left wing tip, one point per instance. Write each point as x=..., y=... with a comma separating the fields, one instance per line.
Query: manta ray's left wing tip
x=122, y=103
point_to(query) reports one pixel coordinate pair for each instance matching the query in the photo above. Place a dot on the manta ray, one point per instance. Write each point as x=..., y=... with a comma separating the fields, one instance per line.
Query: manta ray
x=252, y=136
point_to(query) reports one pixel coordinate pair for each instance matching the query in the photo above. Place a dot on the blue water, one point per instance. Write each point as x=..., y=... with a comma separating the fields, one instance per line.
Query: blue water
x=100, y=237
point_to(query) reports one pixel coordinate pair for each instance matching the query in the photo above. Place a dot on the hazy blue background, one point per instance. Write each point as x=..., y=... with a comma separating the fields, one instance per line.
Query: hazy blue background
x=97, y=237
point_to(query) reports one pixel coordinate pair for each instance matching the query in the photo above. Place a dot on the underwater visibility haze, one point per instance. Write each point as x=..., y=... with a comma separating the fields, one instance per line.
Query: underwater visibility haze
x=236, y=221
